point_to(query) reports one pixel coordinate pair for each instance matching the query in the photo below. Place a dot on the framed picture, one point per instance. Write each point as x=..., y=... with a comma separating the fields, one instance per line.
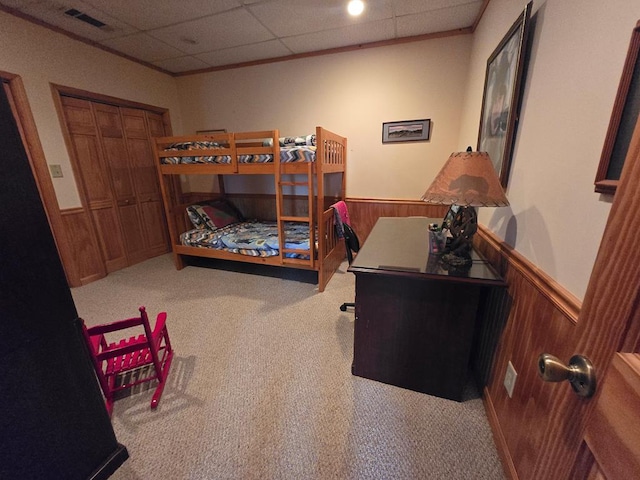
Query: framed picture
x=406, y=131
x=501, y=98
x=626, y=110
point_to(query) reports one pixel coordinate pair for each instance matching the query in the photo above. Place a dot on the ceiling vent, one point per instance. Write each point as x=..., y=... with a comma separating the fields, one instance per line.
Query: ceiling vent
x=77, y=14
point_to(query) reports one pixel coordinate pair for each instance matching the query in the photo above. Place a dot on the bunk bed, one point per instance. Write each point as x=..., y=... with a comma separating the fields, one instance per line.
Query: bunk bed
x=214, y=228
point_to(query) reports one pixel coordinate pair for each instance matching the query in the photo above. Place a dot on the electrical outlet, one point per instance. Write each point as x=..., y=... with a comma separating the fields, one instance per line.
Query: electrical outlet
x=56, y=171
x=510, y=379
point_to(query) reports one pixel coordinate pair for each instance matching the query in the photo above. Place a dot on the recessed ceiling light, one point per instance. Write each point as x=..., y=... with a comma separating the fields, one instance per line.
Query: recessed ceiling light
x=355, y=7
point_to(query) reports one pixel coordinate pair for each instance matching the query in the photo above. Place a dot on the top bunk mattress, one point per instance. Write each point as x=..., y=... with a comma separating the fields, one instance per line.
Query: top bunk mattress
x=292, y=149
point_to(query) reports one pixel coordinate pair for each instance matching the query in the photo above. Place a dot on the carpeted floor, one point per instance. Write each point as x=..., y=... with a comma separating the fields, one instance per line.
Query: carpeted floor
x=261, y=386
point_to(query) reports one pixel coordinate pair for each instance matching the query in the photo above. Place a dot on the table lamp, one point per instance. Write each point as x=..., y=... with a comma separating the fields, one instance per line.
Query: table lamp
x=467, y=180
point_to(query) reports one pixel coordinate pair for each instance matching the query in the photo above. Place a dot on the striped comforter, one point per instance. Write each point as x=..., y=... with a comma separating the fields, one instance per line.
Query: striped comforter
x=288, y=153
x=257, y=239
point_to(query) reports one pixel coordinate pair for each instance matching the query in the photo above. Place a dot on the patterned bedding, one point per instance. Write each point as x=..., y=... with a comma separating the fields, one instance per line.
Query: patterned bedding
x=181, y=147
x=292, y=149
x=257, y=239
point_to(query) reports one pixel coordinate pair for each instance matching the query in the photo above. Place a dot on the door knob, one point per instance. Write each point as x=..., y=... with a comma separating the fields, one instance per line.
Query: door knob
x=580, y=373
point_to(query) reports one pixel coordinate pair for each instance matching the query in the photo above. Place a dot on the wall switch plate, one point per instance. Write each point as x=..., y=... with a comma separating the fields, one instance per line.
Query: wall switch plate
x=56, y=171
x=510, y=379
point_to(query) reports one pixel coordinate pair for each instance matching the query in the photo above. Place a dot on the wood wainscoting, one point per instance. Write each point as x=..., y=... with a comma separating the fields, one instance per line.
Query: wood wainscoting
x=364, y=212
x=540, y=312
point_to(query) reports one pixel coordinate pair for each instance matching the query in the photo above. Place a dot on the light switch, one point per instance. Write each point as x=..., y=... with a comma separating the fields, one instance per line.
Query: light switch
x=56, y=171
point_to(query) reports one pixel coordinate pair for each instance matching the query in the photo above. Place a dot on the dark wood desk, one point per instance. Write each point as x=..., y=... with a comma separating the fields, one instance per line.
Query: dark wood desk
x=415, y=320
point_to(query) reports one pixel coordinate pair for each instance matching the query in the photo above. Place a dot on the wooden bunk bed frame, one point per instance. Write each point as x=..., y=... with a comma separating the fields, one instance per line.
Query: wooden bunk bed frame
x=326, y=253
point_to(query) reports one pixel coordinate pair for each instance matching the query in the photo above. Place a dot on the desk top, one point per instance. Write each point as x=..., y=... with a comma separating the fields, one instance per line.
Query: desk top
x=400, y=246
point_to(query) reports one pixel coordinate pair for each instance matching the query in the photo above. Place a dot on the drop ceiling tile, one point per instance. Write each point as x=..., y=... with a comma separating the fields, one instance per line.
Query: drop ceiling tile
x=346, y=36
x=245, y=53
x=436, y=21
x=409, y=7
x=52, y=12
x=289, y=17
x=18, y=4
x=149, y=14
x=181, y=64
x=229, y=29
x=141, y=45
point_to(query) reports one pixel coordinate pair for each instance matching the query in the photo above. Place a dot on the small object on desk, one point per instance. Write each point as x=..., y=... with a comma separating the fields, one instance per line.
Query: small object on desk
x=437, y=241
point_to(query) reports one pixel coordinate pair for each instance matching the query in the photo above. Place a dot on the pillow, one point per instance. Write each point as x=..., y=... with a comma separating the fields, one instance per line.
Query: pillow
x=309, y=140
x=213, y=214
x=297, y=141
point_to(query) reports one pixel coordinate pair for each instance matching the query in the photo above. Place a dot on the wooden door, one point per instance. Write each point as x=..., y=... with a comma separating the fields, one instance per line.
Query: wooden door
x=600, y=437
x=119, y=165
x=145, y=179
x=94, y=182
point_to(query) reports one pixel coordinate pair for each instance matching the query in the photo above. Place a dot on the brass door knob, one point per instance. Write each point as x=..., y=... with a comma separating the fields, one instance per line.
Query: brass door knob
x=580, y=372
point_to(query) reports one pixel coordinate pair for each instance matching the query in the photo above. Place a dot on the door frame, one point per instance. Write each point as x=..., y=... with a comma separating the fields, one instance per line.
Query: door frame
x=28, y=131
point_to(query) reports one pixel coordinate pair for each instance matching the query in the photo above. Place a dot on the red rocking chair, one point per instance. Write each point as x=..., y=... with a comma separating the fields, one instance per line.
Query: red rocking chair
x=115, y=363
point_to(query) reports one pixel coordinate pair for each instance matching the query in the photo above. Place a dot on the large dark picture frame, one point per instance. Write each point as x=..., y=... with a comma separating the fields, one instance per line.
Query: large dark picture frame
x=623, y=120
x=502, y=95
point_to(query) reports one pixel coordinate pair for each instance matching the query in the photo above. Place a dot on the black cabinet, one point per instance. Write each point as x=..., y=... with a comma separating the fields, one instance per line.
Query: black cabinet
x=53, y=422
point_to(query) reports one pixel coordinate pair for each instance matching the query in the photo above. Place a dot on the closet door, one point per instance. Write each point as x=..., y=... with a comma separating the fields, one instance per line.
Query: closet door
x=145, y=179
x=94, y=181
x=122, y=173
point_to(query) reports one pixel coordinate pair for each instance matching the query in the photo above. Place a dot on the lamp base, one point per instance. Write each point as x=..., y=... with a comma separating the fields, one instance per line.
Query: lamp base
x=455, y=261
x=463, y=226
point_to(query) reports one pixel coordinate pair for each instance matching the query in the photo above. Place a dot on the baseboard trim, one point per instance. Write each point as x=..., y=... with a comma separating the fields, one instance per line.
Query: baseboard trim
x=498, y=437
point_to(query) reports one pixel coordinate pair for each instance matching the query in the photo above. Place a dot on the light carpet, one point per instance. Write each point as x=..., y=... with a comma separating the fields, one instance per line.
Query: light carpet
x=261, y=385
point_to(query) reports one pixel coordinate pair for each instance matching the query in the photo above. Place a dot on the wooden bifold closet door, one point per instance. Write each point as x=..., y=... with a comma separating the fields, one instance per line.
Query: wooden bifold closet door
x=117, y=180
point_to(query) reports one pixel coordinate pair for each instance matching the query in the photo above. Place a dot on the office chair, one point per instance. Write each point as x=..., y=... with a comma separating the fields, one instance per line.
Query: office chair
x=352, y=245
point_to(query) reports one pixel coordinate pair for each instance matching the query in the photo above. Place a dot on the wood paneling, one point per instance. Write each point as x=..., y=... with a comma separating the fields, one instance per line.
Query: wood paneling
x=365, y=212
x=541, y=316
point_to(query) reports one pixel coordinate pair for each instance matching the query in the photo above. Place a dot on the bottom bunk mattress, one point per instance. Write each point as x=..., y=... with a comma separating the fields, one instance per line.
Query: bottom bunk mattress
x=256, y=239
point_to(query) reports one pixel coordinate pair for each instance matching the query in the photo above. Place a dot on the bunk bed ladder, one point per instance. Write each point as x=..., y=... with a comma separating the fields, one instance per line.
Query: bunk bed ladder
x=282, y=182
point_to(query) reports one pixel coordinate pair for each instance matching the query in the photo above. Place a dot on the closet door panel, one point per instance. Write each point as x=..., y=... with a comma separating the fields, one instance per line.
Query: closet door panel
x=155, y=227
x=156, y=124
x=133, y=234
x=146, y=180
x=110, y=238
x=115, y=151
x=87, y=254
x=94, y=177
x=94, y=182
x=114, y=147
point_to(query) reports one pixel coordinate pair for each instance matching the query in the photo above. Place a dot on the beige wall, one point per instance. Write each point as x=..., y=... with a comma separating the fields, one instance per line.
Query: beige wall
x=579, y=46
x=555, y=218
x=351, y=94
x=41, y=56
